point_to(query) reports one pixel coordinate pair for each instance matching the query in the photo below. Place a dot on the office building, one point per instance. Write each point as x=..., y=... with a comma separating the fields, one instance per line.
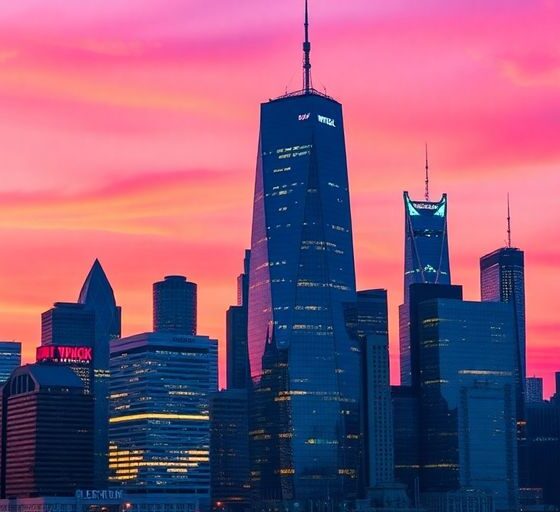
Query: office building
x=10, y=358
x=534, y=387
x=97, y=296
x=502, y=279
x=229, y=450
x=468, y=416
x=159, y=427
x=301, y=275
x=426, y=260
x=46, y=433
x=237, y=353
x=175, y=303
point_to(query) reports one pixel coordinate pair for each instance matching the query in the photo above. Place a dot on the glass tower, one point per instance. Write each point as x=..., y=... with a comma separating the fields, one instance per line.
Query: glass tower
x=175, y=305
x=10, y=358
x=426, y=260
x=502, y=279
x=303, y=362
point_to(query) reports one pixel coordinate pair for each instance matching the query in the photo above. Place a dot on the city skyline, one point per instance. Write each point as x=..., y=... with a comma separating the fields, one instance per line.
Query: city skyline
x=138, y=149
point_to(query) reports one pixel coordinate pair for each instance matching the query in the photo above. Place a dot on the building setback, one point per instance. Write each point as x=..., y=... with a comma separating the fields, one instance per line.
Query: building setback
x=46, y=433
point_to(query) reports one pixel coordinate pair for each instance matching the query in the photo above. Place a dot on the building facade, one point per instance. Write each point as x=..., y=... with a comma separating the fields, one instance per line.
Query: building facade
x=97, y=296
x=175, y=306
x=534, y=390
x=46, y=434
x=159, y=426
x=426, y=260
x=10, y=358
x=302, y=273
x=468, y=416
x=502, y=279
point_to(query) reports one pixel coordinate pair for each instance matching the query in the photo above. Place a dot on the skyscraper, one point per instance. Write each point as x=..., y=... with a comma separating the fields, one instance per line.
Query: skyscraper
x=175, y=306
x=237, y=354
x=426, y=260
x=534, y=390
x=46, y=446
x=301, y=274
x=97, y=296
x=159, y=426
x=10, y=358
x=502, y=279
x=467, y=418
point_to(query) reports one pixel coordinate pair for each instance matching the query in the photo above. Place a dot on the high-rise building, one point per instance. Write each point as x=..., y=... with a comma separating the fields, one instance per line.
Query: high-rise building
x=237, y=354
x=46, y=437
x=159, y=426
x=97, y=296
x=10, y=358
x=426, y=260
x=175, y=306
x=534, y=386
x=502, y=279
x=68, y=338
x=301, y=275
x=229, y=450
x=468, y=417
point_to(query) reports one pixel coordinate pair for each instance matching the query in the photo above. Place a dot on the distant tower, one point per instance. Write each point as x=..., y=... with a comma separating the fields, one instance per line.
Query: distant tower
x=534, y=390
x=502, y=279
x=175, y=306
x=10, y=358
x=426, y=259
x=98, y=297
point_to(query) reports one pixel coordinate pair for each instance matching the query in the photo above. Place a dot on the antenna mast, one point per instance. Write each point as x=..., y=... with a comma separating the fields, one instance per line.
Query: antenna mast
x=306, y=52
x=427, y=180
x=508, y=223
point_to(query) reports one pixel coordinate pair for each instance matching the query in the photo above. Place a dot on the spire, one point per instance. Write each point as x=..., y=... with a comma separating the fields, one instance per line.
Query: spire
x=427, y=180
x=306, y=52
x=508, y=224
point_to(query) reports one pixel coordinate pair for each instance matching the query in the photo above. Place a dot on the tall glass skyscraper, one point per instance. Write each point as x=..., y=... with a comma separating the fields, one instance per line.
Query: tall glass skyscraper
x=301, y=274
x=175, y=305
x=426, y=260
x=502, y=279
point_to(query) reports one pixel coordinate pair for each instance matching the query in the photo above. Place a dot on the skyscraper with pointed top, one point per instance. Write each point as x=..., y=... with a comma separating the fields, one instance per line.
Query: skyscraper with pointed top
x=502, y=279
x=426, y=260
x=304, y=365
x=97, y=295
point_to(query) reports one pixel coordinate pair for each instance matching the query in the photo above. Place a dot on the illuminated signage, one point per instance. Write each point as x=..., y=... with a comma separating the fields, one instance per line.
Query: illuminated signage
x=304, y=117
x=63, y=354
x=326, y=120
x=425, y=206
x=99, y=495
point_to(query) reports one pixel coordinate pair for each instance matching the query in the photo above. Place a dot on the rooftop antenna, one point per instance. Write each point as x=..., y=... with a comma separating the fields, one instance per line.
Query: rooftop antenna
x=306, y=52
x=508, y=224
x=427, y=180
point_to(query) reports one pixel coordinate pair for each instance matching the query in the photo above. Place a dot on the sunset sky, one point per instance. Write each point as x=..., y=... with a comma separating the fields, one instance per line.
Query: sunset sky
x=128, y=132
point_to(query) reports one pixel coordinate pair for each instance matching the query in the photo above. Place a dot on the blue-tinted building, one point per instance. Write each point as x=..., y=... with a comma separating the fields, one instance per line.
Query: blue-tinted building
x=426, y=260
x=159, y=425
x=175, y=305
x=10, y=358
x=97, y=296
x=306, y=426
x=467, y=397
x=502, y=279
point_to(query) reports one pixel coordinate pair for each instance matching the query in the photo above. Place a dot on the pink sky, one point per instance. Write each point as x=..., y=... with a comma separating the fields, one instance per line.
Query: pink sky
x=128, y=132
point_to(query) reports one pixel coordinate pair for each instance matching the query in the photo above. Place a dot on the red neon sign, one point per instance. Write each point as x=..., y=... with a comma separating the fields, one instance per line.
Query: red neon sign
x=59, y=354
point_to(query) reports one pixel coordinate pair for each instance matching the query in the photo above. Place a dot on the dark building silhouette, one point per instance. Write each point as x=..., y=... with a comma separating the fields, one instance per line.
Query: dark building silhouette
x=10, y=358
x=534, y=390
x=229, y=450
x=502, y=279
x=426, y=260
x=46, y=433
x=543, y=454
x=97, y=296
x=175, y=306
x=237, y=353
x=467, y=399
x=306, y=426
